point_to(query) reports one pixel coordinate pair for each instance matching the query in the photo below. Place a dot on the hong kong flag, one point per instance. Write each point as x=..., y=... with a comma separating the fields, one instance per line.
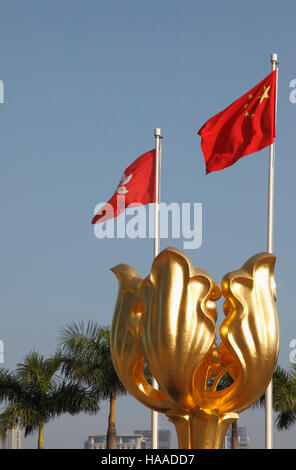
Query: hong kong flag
x=244, y=127
x=136, y=187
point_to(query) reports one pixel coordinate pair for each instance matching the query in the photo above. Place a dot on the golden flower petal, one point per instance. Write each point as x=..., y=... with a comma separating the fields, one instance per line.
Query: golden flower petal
x=126, y=355
x=178, y=328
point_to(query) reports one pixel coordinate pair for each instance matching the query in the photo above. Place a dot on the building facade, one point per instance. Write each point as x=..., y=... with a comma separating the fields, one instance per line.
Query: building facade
x=243, y=438
x=123, y=441
x=164, y=438
x=14, y=439
x=138, y=440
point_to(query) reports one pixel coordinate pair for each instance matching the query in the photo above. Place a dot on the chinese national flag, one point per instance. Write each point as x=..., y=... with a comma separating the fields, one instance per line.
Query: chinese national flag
x=136, y=187
x=246, y=126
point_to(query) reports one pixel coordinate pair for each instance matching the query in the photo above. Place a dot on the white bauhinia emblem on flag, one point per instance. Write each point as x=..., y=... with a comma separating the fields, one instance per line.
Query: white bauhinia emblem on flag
x=139, y=178
x=124, y=180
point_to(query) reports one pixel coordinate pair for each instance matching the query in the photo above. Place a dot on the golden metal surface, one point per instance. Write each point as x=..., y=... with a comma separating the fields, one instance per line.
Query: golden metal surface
x=168, y=322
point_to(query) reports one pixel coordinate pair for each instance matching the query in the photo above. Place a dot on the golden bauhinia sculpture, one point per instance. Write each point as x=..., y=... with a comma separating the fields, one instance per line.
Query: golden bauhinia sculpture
x=167, y=322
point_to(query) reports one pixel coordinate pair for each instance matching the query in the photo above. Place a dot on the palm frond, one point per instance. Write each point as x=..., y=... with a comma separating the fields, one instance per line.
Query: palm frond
x=285, y=420
x=35, y=394
x=8, y=420
x=73, y=398
x=11, y=388
x=17, y=415
x=87, y=357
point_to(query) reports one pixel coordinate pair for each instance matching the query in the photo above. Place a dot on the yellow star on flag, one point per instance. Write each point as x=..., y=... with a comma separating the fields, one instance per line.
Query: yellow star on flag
x=264, y=94
x=242, y=128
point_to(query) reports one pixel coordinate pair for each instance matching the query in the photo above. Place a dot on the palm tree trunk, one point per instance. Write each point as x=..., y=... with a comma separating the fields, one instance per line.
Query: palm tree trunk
x=40, y=436
x=111, y=433
x=234, y=436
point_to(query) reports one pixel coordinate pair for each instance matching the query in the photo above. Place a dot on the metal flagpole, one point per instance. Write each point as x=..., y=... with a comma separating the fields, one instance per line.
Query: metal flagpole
x=157, y=134
x=268, y=393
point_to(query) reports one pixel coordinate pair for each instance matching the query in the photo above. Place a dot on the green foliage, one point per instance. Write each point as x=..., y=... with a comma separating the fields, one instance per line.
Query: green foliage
x=34, y=394
x=283, y=397
x=86, y=356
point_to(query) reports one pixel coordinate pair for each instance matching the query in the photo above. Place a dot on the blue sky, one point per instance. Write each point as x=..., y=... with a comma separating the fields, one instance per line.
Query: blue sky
x=85, y=83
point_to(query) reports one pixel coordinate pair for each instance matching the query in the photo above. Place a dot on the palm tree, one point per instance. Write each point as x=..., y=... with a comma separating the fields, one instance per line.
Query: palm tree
x=283, y=397
x=284, y=400
x=87, y=358
x=34, y=394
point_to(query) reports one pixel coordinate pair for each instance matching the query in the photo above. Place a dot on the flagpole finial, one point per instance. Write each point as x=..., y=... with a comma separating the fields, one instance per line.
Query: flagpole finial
x=157, y=132
x=274, y=58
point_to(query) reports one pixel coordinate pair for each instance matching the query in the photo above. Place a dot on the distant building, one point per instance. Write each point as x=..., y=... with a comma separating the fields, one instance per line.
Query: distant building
x=164, y=438
x=13, y=439
x=123, y=441
x=243, y=438
x=137, y=440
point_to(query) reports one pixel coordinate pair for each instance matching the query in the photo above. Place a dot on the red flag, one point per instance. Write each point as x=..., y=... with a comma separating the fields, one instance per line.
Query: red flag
x=136, y=187
x=246, y=126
